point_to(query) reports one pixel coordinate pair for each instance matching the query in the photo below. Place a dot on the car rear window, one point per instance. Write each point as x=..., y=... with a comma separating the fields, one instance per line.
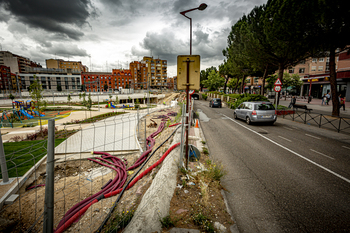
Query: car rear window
x=217, y=100
x=264, y=107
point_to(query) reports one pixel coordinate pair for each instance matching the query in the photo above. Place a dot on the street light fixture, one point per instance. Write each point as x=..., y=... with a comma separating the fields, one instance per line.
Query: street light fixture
x=201, y=7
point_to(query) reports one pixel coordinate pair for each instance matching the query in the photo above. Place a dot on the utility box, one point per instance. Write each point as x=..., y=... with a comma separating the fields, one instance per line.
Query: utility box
x=194, y=71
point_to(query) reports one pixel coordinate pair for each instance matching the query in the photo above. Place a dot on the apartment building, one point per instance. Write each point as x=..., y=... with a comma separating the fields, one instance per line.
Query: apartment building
x=107, y=81
x=139, y=74
x=5, y=79
x=50, y=80
x=68, y=66
x=157, y=72
x=17, y=64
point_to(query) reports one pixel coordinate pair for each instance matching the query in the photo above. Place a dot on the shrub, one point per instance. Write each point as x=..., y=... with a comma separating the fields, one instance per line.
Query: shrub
x=248, y=97
x=204, y=96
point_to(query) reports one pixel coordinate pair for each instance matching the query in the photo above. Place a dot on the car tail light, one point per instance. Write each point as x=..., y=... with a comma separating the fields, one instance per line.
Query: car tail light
x=275, y=112
x=254, y=112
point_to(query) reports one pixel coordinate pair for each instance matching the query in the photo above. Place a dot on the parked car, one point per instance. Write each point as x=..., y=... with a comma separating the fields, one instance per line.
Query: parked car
x=256, y=112
x=216, y=102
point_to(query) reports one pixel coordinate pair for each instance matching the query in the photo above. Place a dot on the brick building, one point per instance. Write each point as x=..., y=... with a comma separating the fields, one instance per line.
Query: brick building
x=139, y=74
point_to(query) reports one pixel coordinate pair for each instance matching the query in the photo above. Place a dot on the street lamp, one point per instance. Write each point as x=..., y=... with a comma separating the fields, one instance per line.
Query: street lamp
x=201, y=7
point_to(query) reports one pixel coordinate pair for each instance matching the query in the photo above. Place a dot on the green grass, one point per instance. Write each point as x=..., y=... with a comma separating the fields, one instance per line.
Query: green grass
x=21, y=156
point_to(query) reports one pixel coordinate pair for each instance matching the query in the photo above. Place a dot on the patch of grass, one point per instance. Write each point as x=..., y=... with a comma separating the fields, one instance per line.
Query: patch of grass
x=203, y=221
x=121, y=220
x=215, y=171
x=167, y=222
x=183, y=170
x=205, y=151
x=21, y=156
x=203, y=142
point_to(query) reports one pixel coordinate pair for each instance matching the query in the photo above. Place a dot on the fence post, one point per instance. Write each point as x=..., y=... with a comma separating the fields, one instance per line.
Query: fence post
x=145, y=135
x=4, y=172
x=49, y=186
x=182, y=134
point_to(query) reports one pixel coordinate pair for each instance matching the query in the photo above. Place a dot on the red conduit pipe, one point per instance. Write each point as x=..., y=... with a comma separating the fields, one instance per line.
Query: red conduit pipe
x=83, y=210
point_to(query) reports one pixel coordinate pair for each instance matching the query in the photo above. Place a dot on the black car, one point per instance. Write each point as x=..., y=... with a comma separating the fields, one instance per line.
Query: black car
x=216, y=102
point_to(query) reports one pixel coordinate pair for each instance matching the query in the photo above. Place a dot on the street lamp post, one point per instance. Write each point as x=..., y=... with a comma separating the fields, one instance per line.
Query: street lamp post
x=201, y=7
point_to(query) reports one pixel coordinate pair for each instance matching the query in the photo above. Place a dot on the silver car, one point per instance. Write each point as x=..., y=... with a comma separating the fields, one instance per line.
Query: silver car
x=256, y=112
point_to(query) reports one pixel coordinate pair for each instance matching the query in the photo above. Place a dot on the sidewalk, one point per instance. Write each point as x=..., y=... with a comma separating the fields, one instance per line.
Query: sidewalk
x=316, y=106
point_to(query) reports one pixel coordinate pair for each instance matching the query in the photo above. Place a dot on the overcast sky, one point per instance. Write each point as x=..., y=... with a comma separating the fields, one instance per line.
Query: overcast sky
x=107, y=34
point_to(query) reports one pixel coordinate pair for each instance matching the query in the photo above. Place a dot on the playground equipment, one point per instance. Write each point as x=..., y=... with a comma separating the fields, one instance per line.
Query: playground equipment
x=110, y=105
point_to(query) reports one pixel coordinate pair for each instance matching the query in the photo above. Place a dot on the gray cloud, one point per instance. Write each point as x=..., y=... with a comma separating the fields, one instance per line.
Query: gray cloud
x=64, y=17
x=64, y=50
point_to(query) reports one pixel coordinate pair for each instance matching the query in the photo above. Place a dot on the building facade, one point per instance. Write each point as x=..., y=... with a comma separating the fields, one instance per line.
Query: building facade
x=17, y=64
x=157, y=72
x=69, y=66
x=139, y=74
x=106, y=81
x=5, y=79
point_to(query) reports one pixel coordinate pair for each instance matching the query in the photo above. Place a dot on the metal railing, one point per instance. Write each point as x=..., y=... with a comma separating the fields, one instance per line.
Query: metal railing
x=339, y=124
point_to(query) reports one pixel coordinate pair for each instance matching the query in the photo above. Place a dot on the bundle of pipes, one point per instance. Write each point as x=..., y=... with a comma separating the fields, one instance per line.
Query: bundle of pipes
x=112, y=187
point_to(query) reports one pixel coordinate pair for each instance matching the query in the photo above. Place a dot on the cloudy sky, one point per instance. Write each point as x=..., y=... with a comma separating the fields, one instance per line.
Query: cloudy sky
x=106, y=34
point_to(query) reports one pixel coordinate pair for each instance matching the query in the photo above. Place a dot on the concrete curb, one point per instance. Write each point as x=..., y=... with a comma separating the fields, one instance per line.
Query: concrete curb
x=155, y=204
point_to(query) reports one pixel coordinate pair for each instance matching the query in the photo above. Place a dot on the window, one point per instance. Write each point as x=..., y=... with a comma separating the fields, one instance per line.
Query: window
x=302, y=62
x=321, y=59
x=314, y=59
x=256, y=79
x=291, y=71
x=313, y=68
x=301, y=70
x=320, y=68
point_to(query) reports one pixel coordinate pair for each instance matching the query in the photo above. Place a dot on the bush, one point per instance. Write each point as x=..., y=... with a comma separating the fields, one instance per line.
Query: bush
x=204, y=96
x=248, y=97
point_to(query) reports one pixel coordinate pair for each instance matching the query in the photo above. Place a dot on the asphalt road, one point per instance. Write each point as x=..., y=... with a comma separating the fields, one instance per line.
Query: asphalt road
x=289, y=177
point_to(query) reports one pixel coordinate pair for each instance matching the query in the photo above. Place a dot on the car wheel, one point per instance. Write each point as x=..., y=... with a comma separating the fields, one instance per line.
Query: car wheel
x=234, y=115
x=272, y=123
x=248, y=121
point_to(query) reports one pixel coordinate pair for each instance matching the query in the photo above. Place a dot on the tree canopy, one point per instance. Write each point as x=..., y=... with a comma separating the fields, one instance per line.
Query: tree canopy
x=214, y=81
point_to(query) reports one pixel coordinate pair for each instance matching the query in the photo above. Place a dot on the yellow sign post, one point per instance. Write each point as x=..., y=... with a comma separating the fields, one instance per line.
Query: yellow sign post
x=193, y=71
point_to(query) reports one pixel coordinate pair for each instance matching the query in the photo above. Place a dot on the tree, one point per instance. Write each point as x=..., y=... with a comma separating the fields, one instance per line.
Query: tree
x=12, y=98
x=116, y=100
x=287, y=36
x=69, y=98
x=331, y=34
x=214, y=81
x=36, y=93
x=204, y=75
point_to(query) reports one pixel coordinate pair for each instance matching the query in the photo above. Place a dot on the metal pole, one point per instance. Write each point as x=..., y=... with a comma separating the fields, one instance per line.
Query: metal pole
x=98, y=95
x=190, y=38
x=187, y=107
x=49, y=187
x=145, y=135
x=4, y=172
x=138, y=123
x=182, y=135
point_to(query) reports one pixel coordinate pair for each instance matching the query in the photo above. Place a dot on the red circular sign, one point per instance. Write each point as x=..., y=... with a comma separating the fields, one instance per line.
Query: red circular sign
x=277, y=88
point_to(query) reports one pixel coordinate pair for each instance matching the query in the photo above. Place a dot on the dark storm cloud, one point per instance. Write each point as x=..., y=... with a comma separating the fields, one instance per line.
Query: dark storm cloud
x=63, y=17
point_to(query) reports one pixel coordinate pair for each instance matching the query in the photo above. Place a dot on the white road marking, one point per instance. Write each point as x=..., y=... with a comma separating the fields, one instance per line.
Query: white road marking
x=300, y=156
x=312, y=136
x=285, y=138
x=287, y=128
x=346, y=147
x=322, y=154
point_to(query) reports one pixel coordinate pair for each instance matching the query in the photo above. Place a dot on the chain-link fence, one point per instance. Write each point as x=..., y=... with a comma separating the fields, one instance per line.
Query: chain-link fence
x=91, y=162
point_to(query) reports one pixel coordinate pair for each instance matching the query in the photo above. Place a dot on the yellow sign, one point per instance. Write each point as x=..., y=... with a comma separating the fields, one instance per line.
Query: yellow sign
x=194, y=71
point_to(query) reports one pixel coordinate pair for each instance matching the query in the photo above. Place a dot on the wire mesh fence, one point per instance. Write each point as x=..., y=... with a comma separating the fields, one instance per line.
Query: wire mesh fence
x=78, y=175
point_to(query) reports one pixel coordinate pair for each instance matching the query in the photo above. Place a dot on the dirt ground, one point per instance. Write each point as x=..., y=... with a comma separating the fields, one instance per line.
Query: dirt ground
x=74, y=182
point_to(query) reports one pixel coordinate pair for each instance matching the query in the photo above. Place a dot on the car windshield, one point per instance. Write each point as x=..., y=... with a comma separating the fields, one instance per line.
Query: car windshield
x=265, y=107
x=217, y=100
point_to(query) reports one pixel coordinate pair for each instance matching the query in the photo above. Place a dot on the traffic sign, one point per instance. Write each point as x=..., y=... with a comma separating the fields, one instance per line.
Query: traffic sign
x=191, y=92
x=277, y=88
x=194, y=72
x=278, y=82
